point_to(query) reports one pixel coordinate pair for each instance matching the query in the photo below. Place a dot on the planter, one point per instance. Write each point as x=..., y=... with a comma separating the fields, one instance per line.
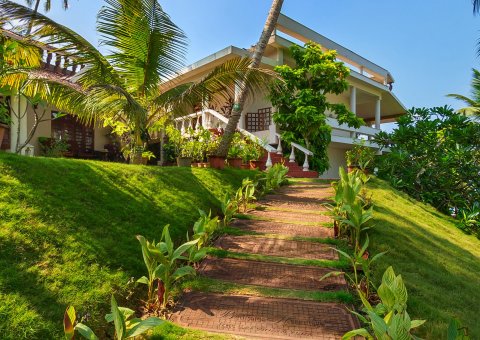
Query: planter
x=216, y=162
x=235, y=162
x=255, y=164
x=245, y=166
x=352, y=168
x=205, y=165
x=184, y=161
x=144, y=160
x=3, y=129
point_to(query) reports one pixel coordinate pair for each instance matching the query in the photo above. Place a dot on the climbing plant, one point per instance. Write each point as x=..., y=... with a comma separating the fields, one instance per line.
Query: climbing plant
x=301, y=99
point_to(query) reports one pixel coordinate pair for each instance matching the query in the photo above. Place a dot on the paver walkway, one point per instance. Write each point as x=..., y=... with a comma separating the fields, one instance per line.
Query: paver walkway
x=293, y=211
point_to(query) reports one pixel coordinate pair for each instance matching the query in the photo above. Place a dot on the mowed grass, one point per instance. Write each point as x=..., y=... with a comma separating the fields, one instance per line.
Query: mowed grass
x=439, y=263
x=68, y=227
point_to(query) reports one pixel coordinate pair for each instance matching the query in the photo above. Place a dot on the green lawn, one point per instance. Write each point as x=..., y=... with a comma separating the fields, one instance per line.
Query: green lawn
x=440, y=264
x=67, y=233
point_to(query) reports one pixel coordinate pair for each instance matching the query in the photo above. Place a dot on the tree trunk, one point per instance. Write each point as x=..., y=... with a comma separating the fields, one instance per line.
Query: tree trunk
x=270, y=24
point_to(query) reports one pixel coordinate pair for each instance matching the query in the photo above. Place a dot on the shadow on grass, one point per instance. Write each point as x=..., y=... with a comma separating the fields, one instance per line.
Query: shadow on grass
x=68, y=230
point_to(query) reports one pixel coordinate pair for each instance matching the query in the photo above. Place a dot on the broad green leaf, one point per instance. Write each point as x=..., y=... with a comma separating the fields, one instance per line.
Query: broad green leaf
x=417, y=323
x=329, y=274
x=378, y=325
x=144, y=326
x=143, y=280
x=182, y=249
x=118, y=320
x=357, y=332
x=85, y=331
x=126, y=312
x=68, y=321
x=388, y=276
x=183, y=271
x=387, y=296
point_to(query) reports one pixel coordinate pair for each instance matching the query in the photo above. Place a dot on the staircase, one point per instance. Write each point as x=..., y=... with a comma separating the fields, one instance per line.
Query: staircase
x=294, y=170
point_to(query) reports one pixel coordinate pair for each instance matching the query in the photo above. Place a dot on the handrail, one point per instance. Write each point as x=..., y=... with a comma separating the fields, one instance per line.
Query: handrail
x=363, y=130
x=291, y=159
x=301, y=148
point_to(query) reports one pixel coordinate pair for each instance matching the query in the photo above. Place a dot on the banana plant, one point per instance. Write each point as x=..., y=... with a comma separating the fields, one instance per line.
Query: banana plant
x=245, y=194
x=162, y=262
x=229, y=208
x=125, y=327
x=389, y=319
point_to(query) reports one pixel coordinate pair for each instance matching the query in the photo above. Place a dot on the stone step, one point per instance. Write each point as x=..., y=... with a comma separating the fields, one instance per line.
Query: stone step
x=263, y=318
x=269, y=274
x=277, y=247
x=294, y=230
x=289, y=216
x=290, y=206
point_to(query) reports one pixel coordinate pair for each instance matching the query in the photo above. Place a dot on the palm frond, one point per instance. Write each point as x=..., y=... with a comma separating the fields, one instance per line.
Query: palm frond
x=219, y=84
x=146, y=46
x=62, y=40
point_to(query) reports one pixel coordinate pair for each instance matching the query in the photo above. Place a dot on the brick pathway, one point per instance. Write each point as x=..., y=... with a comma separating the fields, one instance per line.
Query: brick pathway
x=271, y=318
x=269, y=227
x=273, y=275
x=265, y=317
x=276, y=247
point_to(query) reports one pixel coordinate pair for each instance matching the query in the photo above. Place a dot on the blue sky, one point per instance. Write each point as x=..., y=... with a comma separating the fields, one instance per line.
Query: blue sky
x=428, y=45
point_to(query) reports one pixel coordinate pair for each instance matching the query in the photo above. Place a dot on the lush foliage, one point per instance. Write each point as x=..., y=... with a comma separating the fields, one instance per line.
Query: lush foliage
x=301, y=99
x=245, y=194
x=360, y=156
x=162, y=260
x=121, y=317
x=72, y=240
x=421, y=240
x=388, y=319
x=129, y=88
x=435, y=157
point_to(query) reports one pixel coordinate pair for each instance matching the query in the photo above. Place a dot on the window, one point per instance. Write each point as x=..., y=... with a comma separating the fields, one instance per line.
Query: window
x=78, y=135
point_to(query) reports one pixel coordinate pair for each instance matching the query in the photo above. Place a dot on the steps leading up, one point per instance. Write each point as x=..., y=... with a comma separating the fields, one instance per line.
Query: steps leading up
x=295, y=170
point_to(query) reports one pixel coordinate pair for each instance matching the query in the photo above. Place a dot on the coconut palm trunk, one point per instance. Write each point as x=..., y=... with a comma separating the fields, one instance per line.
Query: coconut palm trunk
x=256, y=59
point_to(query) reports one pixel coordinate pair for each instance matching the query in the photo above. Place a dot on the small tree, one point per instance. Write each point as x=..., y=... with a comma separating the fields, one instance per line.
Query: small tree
x=301, y=100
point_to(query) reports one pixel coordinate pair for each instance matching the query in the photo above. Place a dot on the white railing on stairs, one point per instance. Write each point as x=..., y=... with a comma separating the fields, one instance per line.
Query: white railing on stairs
x=212, y=119
x=305, y=166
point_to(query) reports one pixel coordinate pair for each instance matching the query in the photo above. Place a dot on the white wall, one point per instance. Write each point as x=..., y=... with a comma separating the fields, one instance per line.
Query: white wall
x=336, y=158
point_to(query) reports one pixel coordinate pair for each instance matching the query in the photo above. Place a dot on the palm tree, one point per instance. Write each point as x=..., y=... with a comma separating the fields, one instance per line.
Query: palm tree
x=476, y=6
x=126, y=89
x=270, y=24
x=473, y=103
x=46, y=6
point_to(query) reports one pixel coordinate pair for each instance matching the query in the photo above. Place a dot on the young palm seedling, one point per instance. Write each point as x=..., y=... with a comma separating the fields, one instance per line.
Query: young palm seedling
x=229, y=208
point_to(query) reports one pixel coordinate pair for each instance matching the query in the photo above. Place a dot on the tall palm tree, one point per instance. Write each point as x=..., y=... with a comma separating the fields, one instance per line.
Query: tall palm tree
x=473, y=103
x=47, y=5
x=126, y=88
x=270, y=24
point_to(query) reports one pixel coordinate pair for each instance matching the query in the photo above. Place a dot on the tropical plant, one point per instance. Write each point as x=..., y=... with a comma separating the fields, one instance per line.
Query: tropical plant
x=237, y=146
x=50, y=147
x=195, y=254
x=204, y=228
x=125, y=327
x=434, y=157
x=360, y=156
x=473, y=103
x=360, y=261
x=275, y=176
x=251, y=151
x=469, y=219
x=245, y=194
x=129, y=89
x=388, y=319
x=357, y=218
x=162, y=262
x=456, y=331
x=301, y=100
x=241, y=98
x=229, y=208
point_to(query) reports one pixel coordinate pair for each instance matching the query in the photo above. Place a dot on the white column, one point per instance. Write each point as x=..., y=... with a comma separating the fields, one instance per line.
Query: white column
x=19, y=116
x=353, y=106
x=353, y=99
x=377, y=113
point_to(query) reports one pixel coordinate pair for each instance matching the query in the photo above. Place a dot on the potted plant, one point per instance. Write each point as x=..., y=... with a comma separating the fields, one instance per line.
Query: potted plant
x=235, y=151
x=359, y=157
x=251, y=154
x=216, y=162
x=187, y=152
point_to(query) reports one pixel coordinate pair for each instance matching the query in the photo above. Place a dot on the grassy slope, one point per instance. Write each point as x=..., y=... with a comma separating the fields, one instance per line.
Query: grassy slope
x=440, y=264
x=67, y=232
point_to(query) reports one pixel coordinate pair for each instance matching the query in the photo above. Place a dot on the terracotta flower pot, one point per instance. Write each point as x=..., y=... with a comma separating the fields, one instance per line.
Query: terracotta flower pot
x=184, y=161
x=3, y=129
x=216, y=162
x=235, y=162
x=336, y=229
x=351, y=168
x=245, y=166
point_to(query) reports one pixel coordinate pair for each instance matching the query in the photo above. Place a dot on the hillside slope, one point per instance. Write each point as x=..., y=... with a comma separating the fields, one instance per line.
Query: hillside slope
x=440, y=264
x=67, y=232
